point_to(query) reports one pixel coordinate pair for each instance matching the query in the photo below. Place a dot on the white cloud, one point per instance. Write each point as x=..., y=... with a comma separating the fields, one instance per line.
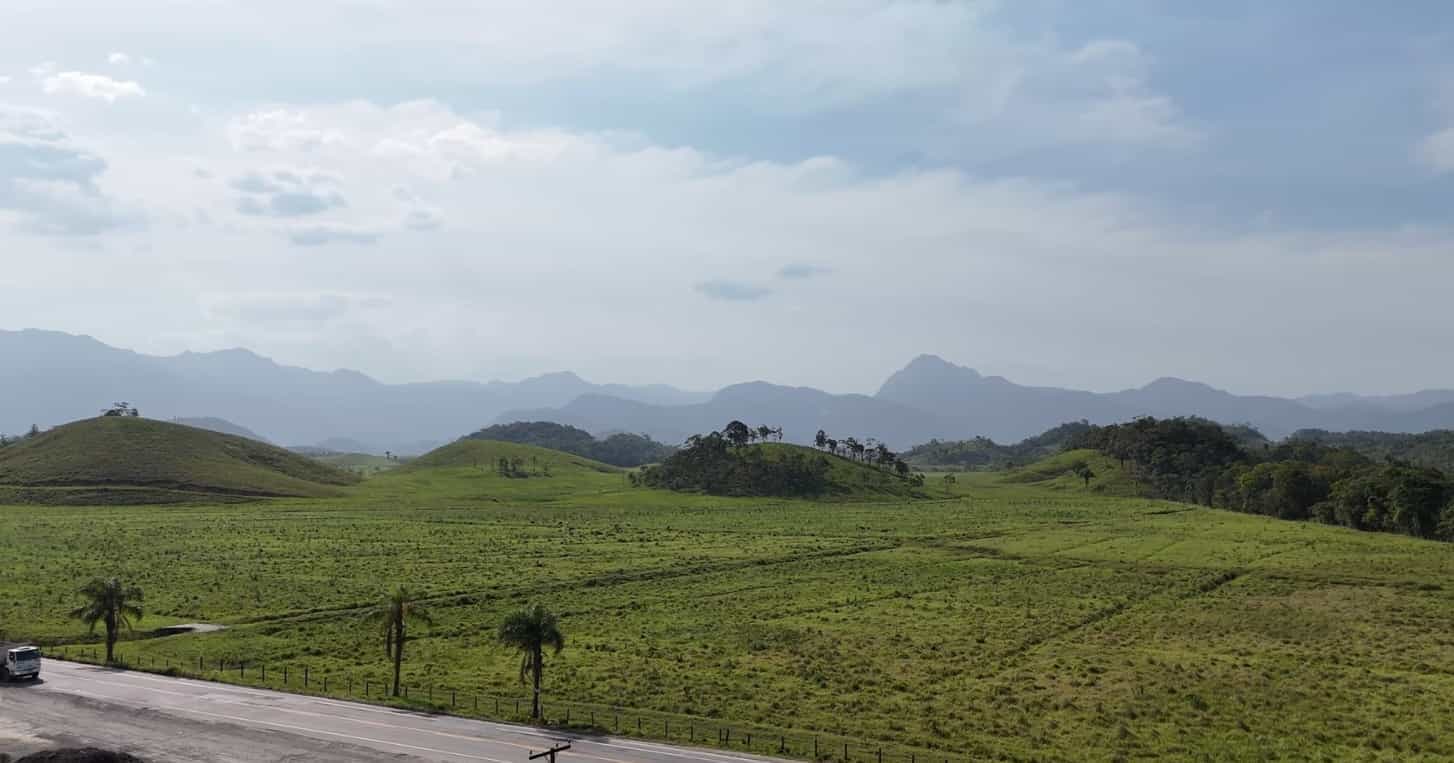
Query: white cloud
x=48, y=184
x=549, y=229
x=118, y=59
x=287, y=193
x=327, y=233
x=1437, y=151
x=92, y=86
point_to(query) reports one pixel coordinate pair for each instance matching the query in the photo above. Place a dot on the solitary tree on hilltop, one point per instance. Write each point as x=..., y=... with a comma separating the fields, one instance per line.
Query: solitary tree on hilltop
x=531, y=631
x=1082, y=470
x=111, y=603
x=395, y=614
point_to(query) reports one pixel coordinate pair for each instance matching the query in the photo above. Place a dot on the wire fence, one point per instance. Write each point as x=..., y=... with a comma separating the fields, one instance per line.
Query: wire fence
x=583, y=718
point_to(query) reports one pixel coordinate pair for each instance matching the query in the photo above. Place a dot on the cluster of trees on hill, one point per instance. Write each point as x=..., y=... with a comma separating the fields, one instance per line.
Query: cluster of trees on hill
x=720, y=463
x=984, y=453
x=1197, y=460
x=869, y=452
x=620, y=449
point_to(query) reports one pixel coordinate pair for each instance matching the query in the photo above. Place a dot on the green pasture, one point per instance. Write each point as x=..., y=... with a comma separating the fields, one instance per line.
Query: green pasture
x=1018, y=616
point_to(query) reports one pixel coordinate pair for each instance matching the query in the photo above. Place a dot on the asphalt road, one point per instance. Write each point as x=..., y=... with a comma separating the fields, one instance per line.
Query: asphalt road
x=173, y=719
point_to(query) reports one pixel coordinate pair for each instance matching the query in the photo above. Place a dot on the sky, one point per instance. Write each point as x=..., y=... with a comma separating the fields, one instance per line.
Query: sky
x=1090, y=193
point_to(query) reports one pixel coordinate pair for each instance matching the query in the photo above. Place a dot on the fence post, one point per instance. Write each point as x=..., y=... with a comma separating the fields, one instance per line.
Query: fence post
x=285, y=675
x=845, y=752
x=567, y=716
x=406, y=691
x=815, y=748
x=880, y=755
x=265, y=672
x=350, y=684
x=305, y=676
x=638, y=724
x=477, y=703
x=366, y=688
x=452, y=703
x=325, y=684
x=242, y=668
x=668, y=728
x=199, y=663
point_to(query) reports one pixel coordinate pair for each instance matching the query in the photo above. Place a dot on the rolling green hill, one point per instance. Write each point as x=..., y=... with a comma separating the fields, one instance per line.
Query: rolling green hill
x=133, y=460
x=1057, y=473
x=485, y=454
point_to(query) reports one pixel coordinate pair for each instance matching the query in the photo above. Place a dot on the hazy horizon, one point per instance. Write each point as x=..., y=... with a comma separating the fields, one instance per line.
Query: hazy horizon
x=714, y=387
x=1081, y=195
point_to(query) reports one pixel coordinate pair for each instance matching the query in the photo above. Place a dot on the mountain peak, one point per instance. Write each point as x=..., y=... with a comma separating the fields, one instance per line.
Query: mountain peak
x=1172, y=384
x=933, y=364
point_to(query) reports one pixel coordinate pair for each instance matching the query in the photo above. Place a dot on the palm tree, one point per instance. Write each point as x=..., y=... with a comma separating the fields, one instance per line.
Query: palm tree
x=394, y=615
x=110, y=602
x=531, y=630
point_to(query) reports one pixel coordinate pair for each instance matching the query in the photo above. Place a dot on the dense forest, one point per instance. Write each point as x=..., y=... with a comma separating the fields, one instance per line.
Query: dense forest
x=1200, y=461
x=1434, y=449
x=621, y=449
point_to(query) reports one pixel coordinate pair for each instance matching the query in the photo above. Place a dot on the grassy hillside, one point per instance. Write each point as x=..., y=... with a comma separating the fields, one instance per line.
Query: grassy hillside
x=847, y=478
x=106, y=460
x=484, y=454
x=1057, y=473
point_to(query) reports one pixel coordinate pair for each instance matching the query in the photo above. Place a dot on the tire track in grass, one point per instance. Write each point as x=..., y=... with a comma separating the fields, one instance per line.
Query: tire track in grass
x=605, y=579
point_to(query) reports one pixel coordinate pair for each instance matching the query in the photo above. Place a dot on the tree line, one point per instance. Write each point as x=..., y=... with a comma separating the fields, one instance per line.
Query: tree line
x=1196, y=460
x=870, y=452
x=532, y=630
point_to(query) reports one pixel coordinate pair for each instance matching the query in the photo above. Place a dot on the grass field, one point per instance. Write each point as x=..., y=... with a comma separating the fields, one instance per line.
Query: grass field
x=1003, y=617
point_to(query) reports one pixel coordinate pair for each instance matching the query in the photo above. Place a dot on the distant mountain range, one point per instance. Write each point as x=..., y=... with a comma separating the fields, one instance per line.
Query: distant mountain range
x=50, y=378
x=932, y=398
